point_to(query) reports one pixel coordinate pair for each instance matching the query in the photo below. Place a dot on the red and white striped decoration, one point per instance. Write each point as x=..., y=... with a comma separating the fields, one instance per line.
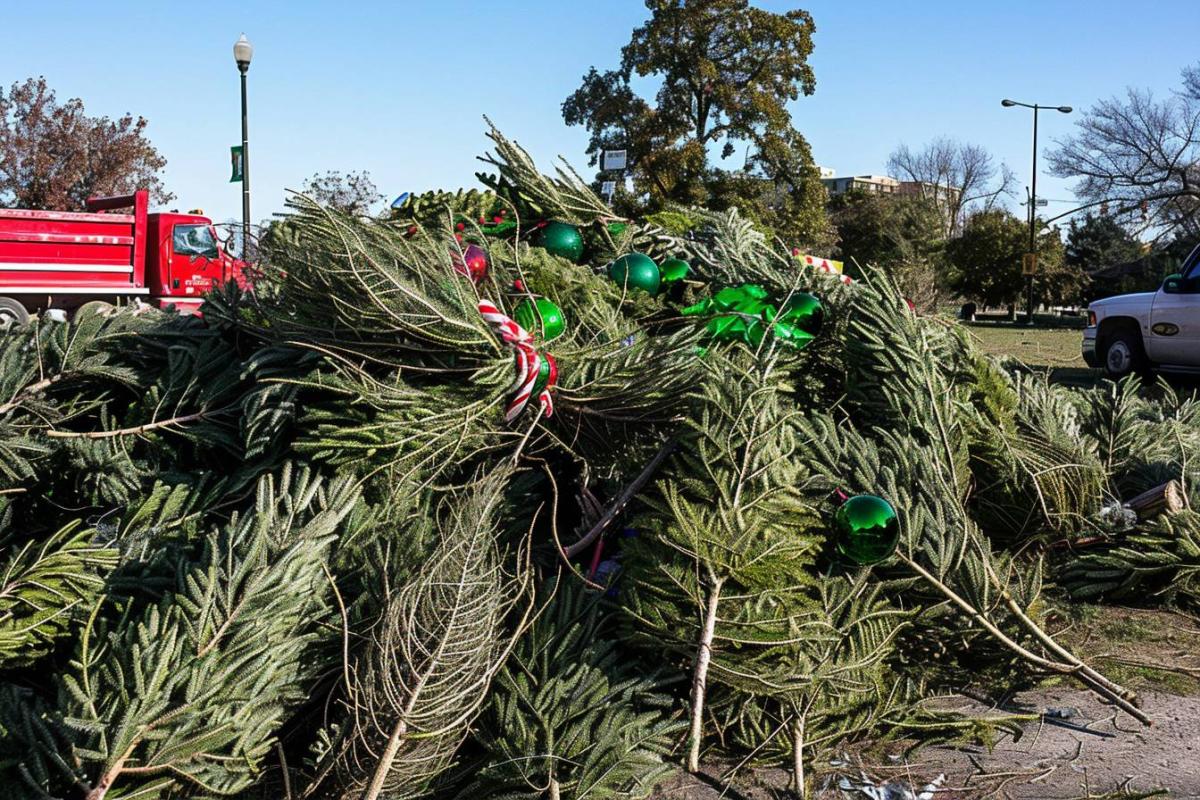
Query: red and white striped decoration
x=826, y=265
x=529, y=362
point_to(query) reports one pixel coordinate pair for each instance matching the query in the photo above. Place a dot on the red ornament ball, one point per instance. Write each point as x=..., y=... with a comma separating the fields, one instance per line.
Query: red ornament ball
x=473, y=263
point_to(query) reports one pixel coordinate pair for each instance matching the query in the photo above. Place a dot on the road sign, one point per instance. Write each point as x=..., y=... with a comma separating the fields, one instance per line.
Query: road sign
x=613, y=160
x=1042, y=202
x=608, y=189
x=1029, y=264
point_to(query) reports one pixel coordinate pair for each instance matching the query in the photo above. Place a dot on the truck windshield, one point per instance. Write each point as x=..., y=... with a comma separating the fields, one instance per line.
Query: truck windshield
x=195, y=240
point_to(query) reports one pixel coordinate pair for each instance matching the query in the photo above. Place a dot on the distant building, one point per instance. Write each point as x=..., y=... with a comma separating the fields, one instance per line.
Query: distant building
x=944, y=196
x=878, y=184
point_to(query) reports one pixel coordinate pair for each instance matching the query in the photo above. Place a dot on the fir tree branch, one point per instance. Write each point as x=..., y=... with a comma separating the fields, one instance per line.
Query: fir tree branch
x=26, y=392
x=138, y=429
x=1085, y=675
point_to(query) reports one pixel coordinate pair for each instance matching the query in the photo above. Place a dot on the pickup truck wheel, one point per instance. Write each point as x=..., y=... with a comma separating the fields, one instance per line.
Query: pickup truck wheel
x=12, y=312
x=1123, y=353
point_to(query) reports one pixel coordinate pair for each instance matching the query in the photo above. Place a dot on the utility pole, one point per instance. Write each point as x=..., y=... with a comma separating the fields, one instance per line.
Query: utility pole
x=242, y=52
x=1029, y=263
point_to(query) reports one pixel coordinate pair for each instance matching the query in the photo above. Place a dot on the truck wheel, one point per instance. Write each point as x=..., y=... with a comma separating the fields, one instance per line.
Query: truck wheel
x=1124, y=353
x=12, y=312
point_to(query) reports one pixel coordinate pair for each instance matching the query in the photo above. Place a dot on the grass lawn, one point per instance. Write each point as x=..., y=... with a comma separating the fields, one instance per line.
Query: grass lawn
x=1054, y=349
x=1048, y=347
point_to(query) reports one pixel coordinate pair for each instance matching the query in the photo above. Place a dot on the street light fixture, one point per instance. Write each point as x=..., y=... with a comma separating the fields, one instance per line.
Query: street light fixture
x=1033, y=192
x=243, y=51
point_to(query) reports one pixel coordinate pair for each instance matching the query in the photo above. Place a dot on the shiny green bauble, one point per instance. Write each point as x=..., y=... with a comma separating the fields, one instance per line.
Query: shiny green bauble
x=547, y=373
x=867, y=529
x=540, y=316
x=674, y=269
x=637, y=271
x=562, y=240
x=803, y=312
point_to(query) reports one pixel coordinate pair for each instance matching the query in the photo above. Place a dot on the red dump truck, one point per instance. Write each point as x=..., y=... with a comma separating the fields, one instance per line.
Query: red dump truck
x=115, y=250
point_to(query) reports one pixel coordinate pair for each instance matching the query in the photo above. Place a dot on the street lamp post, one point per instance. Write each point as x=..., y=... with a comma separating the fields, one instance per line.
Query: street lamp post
x=1033, y=191
x=242, y=52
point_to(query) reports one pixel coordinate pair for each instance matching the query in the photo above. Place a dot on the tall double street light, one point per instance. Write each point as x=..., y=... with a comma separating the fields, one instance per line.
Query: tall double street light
x=1033, y=196
x=242, y=52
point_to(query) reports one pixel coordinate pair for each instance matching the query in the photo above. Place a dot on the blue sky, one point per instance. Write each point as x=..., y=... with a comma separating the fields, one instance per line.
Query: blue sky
x=399, y=88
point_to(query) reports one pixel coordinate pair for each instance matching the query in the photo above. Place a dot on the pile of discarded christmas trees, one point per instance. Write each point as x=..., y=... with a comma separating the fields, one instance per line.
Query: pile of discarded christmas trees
x=501, y=495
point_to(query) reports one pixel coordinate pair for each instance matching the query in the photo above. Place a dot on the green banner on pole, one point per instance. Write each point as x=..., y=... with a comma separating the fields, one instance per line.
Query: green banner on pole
x=236, y=163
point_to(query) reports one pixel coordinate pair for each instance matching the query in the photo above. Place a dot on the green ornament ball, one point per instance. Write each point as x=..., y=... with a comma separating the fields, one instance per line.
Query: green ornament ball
x=540, y=316
x=562, y=240
x=867, y=529
x=804, y=312
x=637, y=271
x=674, y=269
x=547, y=373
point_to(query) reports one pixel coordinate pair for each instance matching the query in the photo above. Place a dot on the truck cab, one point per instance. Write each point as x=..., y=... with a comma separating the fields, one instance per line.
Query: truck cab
x=187, y=260
x=1148, y=330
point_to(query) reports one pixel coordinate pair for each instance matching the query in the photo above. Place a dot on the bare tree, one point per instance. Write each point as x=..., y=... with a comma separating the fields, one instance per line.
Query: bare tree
x=1141, y=156
x=954, y=177
x=352, y=192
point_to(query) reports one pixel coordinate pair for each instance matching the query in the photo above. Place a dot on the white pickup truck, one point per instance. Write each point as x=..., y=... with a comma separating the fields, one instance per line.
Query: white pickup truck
x=1150, y=330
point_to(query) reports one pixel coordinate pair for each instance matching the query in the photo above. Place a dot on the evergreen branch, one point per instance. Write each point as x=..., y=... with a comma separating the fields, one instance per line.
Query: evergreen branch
x=134, y=431
x=40, y=586
x=440, y=641
x=215, y=665
x=1075, y=668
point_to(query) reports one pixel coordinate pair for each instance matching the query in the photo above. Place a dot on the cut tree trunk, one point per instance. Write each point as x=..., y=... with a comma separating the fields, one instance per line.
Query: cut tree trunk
x=1166, y=499
x=700, y=676
x=798, y=757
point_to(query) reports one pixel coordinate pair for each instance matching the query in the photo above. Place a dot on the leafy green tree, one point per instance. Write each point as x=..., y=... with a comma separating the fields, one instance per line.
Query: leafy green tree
x=728, y=72
x=901, y=235
x=885, y=230
x=986, y=261
x=1098, y=241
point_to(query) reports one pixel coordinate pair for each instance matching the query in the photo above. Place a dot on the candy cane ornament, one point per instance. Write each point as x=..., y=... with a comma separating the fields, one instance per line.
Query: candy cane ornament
x=528, y=361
